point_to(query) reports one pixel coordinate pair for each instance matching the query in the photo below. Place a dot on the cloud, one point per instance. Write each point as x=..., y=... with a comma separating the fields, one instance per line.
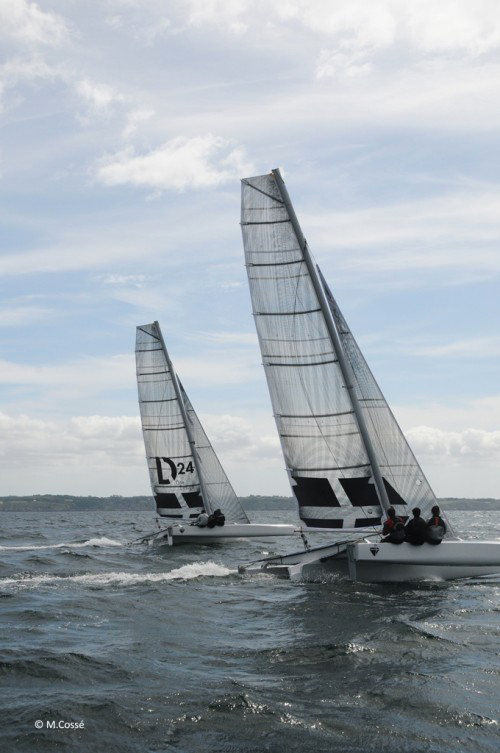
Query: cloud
x=24, y=22
x=86, y=375
x=432, y=233
x=342, y=61
x=76, y=441
x=134, y=119
x=200, y=162
x=453, y=25
x=243, y=439
x=98, y=96
x=118, y=279
x=436, y=446
x=479, y=347
x=219, y=367
x=19, y=316
x=229, y=338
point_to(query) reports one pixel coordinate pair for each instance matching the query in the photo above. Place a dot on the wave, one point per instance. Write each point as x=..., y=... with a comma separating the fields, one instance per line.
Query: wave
x=101, y=541
x=186, y=572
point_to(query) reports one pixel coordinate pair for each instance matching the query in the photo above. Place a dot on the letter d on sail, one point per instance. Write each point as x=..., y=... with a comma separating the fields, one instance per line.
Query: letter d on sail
x=159, y=469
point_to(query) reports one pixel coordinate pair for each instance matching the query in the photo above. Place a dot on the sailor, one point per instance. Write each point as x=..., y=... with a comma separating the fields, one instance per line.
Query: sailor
x=393, y=530
x=219, y=517
x=436, y=527
x=416, y=529
x=202, y=519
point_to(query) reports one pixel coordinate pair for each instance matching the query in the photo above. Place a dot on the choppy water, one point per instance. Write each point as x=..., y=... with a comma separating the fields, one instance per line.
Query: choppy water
x=173, y=650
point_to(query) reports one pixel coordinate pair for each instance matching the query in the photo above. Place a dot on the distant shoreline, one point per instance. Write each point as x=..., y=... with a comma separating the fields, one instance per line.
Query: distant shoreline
x=117, y=503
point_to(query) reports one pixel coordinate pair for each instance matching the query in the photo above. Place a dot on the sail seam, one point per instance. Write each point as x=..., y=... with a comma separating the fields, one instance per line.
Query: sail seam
x=168, y=400
x=333, y=468
x=152, y=373
x=301, y=365
x=267, y=222
x=278, y=264
x=316, y=415
x=286, y=313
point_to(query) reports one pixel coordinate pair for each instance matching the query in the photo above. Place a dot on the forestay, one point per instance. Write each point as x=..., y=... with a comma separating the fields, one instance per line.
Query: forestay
x=177, y=453
x=325, y=453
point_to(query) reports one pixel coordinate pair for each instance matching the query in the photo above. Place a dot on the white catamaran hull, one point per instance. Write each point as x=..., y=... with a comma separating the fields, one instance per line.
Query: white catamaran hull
x=179, y=533
x=369, y=562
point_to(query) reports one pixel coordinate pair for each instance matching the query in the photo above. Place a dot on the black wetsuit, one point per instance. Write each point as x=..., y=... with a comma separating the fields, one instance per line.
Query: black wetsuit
x=393, y=531
x=416, y=531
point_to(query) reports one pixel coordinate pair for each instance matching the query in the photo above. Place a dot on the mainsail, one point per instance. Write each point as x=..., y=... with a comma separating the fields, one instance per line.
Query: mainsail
x=186, y=475
x=345, y=454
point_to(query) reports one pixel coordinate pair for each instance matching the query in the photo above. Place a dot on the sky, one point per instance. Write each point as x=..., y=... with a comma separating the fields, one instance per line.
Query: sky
x=126, y=127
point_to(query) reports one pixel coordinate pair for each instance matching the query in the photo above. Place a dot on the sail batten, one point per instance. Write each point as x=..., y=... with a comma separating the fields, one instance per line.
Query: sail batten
x=344, y=451
x=185, y=473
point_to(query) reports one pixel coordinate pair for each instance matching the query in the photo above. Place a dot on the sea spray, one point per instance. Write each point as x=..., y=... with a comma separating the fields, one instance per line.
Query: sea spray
x=100, y=541
x=101, y=580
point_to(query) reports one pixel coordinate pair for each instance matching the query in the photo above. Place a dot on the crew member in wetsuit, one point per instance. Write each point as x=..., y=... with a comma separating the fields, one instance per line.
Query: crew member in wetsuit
x=393, y=530
x=416, y=529
x=217, y=518
x=436, y=527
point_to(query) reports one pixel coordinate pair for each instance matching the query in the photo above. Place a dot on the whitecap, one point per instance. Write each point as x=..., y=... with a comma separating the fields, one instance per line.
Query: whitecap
x=186, y=572
x=101, y=541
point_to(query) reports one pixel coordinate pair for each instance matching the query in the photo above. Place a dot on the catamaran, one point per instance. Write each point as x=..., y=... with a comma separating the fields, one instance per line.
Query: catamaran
x=188, y=482
x=347, y=459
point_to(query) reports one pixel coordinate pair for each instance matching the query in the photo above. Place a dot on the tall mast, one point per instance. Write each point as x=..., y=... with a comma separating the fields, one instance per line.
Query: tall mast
x=345, y=366
x=185, y=417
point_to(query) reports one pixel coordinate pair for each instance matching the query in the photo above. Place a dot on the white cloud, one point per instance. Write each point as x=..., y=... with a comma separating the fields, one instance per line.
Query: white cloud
x=74, y=378
x=227, y=14
x=437, y=446
x=23, y=21
x=229, y=338
x=134, y=120
x=244, y=439
x=479, y=347
x=118, y=279
x=432, y=233
x=98, y=96
x=17, y=316
x=78, y=441
x=342, y=61
x=219, y=368
x=452, y=25
x=181, y=163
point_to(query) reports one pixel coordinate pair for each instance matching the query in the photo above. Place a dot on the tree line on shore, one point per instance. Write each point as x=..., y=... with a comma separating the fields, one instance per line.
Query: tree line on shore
x=70, y=503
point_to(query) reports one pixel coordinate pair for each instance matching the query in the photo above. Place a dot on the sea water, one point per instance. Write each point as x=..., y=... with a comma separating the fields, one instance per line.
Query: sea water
x=109, y=645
